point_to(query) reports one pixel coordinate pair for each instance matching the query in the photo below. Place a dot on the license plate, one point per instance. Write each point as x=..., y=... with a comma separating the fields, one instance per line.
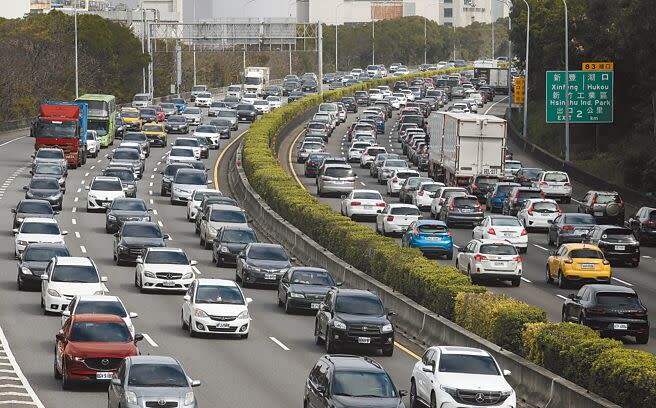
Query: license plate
x=168, y=284
x=432, y=238
x=620, y=247
x=466, y=210
x=104, y=376
x=269, y=276
x=500, y=263
x=106, y=204
x=223, y=325
x=620, y=326
x=314, y=306
x=368, y=207
x=598, y=213
x=508, y=234
x=364, y=340
x=587, y=266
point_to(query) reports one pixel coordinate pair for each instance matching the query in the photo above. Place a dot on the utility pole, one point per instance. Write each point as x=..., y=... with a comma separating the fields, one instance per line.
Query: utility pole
x=566, y=84
x=290, y=59
x=373, y=41
x=178, y=66
x=493, y=39
x=77, y=83
x=528, y=38
x=150, y=64
x=143, y=45
x=425, y=43
x=320, y=52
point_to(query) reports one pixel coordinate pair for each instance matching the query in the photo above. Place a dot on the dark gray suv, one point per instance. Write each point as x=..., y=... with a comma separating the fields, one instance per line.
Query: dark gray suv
x=462, y=210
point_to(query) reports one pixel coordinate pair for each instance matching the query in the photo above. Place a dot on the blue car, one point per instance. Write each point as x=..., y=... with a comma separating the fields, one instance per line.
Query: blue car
x=430, y=236
x=180, y=104
x=495, y=197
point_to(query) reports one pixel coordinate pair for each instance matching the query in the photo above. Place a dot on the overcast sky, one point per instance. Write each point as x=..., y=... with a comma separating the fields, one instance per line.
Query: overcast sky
x=14, y=8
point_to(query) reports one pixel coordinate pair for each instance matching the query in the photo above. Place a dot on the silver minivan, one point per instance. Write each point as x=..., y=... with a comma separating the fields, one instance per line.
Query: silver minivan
x=335, y=178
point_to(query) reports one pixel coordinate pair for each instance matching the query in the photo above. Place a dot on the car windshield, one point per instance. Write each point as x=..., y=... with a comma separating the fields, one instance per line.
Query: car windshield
x=209, y=128
x=238, y=236
x=192, y=111
x=229, y=216
x=312, y=277
x=367, y=195
x=545, y=207
x=617, y=235
x=172, y=169
x=405, y=211
x=148, y=112
x=227, y=114
x=75, y=274
x=49, y=169
x=363, y=384
x=359, y=305
x=531, y=174
x=465, y=202
x=503, y=189
x=523, y=194
x=126, y=154
x=204, y=95
x=130, y=114
x=339, y=172
x=141, y=231
x=129, y=205
x=123, y=174
x=506, y=222
x=513, y=165
x=270, y=253
x=498, y=249
x=190, y=177
x=467, y=364
x=607, y=198
x=167, y=258
x=216, y=294
x=178, y=101
x=44, y=254
x=167, y=105
x=106, y=185
x=110, y=307
x=486, y=180
x=156, y=375
x=245, y=107
x=187, y=142
x=48, y=228
x=586, y=254
x=100, y=332
x=50, y=154
x=556, y=177
x=44, y=184
x=404, y=175
x=182, y=152
x=618, y=299
x=431, y=187
x=141, y=97
x=395, y=163
x=583, y=219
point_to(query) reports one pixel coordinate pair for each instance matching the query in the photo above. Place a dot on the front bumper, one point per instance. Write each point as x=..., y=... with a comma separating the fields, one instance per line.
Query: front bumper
x=98, y=204
x=443, y=247
x=30, y=280
x=56, y=304
x=210, y=325
x=129, y=254
x=173, y=285
x=180, y=196
x=352, y=338
x=263, y=277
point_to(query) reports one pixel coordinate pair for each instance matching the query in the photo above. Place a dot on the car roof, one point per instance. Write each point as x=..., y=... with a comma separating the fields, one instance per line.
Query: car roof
x=73, y=260
x=40, y=220
x=225, y=207
x=164, y=249
x=106, y=178
x=149, y=359
x=350, y=362
x=46, y=245
x=610, y=288
x=365, y=191
x=216, y=282
x=494, y=241
x=98, y=298
x=401, y=205
x=573, y=246
x=431, y=222
x=462, y=350
x=353, y=292
x=96, y=318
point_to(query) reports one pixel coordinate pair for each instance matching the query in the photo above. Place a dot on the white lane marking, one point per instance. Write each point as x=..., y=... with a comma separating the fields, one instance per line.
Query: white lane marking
x=150, y=340
x=621, y=281
x=86, y=174
x=363, y=184
x=492, y=106
x=17, y=370
x=155, y=169
x=158, y=163
x=77, y=234
x=79, y=190
x=542, y=248
x=76, y=199
x=92, y=167
x=170, y=237
x=562, y=297
x=163, y=157
x=576, y=201
x=74, y=221
x=150, y=192
x=154, y=210
x=646, y=256
x=160, y=223
x=152, y=176
x=193, y=268
x=99, y=160
x=12, y=140
x=151, y=184
x=83, y=249
x=82, y=182
x=525, y=280
x=151, y=201
x=74, y=209
x=278, y=342
x=107, y=155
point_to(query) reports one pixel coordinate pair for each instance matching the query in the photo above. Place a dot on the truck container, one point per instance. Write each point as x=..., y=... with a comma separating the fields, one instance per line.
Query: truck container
x=497, y=78
x=464, y=145
x=63, y=125
x=255, y=79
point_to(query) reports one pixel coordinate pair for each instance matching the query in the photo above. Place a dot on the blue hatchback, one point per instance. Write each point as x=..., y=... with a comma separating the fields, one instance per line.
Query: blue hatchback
x=430, y=236
x=495, y=197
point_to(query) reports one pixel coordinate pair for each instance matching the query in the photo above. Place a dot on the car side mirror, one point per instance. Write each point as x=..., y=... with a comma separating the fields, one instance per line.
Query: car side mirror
x=249, y=300
x=138, y=337
x=428, y=368
x=321, y=389
x=86, y=188
x=241, y=254
x=133, y=315
x=195, y=383
x=117, y=234
x=403, y=393
x=64, y=232
x=110, y=157
x=166, y=236
x=60, y=336
x=139, y=260
x=116, y=382
x=186, y=298
x=193, y=263
x=13, y=211
x=552, y=253
x=44, y=276
x=461, y=249
x=343, y=197
x=573, y=296
x=26, y=188
x=104, y=279
x=66, y=313
x=507, y=373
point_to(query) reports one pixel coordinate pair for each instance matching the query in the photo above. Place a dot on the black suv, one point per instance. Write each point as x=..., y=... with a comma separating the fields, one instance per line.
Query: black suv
x=133, y=239
x=617, y=243
x=643, y=225
x=481, y=185
x=342, y=381
x=352, y=317
x=606, y=206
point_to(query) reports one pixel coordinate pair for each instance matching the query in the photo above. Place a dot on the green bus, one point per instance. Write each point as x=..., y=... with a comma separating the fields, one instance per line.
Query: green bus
x=102, y=116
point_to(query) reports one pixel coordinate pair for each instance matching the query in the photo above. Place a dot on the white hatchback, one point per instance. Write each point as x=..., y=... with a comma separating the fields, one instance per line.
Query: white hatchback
x=102, y=191
x=193, y=205
x=189, y=142
x=538, y=213
x=422, y=197
x=37, y=230
x=66, y=277
x=180, y=155
x=216, y=306
x=165, y=269
x=395, y=218
x=502, y=228
x=397, y=178
x=362, y=203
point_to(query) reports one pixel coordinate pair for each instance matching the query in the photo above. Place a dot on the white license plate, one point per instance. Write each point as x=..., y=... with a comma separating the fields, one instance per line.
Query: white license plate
x=508, y=234
x=368, y=207
x=106, y=205
x=620, y=326
x=104, y=376
x=223, y=325
x=620, y=247
x=269, y=276
x=314, y=306
x=499, y=264
x=432, y=238
x=364, y=340
x=587, y=266
x=466, y=210
x=168, y=284
x=598, y=213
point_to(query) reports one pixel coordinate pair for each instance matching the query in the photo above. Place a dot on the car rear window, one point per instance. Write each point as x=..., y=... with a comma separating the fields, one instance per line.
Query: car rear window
x=618, y=299
x=465, y=202
x=617, y=235
x=487, y=180
x=607, y=198
x=506, y=222
x=579, y=219
x=586, y=254
x=556, y=177
x=272, y=253
x=366, y=195
x=545, y=207
x=320, y=126
x=498, y=249
x=404, y=211
x=523, y=194
x=373, y=152
x=405, y=175
x=504, y=189
x=431, y=187
x=338, y=172
x=432, y=229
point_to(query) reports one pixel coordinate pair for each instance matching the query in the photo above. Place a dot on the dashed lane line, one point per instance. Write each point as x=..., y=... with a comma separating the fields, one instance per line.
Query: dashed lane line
x=562, y=297
x=540, y=247
x=621, y=281
x=15, y=379
x=279, y=343
x=83, y=249
x=150, y=340
x=525, y=280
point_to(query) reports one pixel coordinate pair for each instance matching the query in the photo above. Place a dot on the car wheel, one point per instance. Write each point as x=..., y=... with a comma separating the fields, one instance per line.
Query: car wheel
x=19, y=282
x=516, y=282
x=563, y=316
x=202, y=241
x=66, y=382
x=192, y=332
x=317, y=334
x=136, y=280
x=642, y=338
x=55, y=371
x=288, y=308
x=330, y=346
x=547, y=275
x=388, y=351
x=562, y=281
x=413, y=395
x=185, y=326
x=433, y=402
x=449, y=256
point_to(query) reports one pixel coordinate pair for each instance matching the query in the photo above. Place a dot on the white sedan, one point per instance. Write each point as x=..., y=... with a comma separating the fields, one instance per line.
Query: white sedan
x=397, y=178
x=99, y=304
x=193, y=205
x=388, y=167
x=93, y=143
x=166, y=269
x=502, y=228
x=274, y=102
x=37, y=230
x=356, y=150
x=211, y=132
x=490, y=259
x=395, y=218
x=422, y=197
x=102, y=191
x=537, y=212
x=181, y=154
x=362, y=203
x=216, y=306
x=66, y=277
x=262, y=106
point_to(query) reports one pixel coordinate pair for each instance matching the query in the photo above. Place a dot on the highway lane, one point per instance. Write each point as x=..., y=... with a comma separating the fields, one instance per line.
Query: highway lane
x=533, y=289
x=248, y=373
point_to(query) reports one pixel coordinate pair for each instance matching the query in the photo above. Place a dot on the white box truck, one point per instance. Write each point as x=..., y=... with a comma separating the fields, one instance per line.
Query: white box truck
x=255, y=79
x=464, y=145
x=496, y=77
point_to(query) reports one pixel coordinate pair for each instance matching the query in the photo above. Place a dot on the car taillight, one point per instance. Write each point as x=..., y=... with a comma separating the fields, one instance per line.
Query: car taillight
x=453, y=204
x=420, y=193
x=449, y=233
x=605, y=262
x=496, y=196
x=568, y=184
x=523, y=232
x=597, y=310
x=415, y=232
x=355, y=203
x=517, y=258
x=395, y=180
x=530, y=211
x=380, y=204
x=474, y=186
x=649, y=223
x=479, y=258
x=594, y=200
x=326, y=178
x=568, y=261
x=390, y=218
x=491, y=231
x=543, y=183
x=568, y=228
x=302, y=150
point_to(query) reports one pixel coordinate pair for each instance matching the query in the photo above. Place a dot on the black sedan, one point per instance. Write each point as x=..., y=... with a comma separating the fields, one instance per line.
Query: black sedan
x=263, y=264
x=30, y=208
x=177, y=124
x=33, y=262
x=229, y=243
x=295, y=95
x=643, y=225
x=133, y=239
x=246, y=112
x=55, y=171
x=570, y=227
x=45, y=188
x=610, y=309
x=617, y=243
x=304, y=288
x=309, y=86
x=125, y=209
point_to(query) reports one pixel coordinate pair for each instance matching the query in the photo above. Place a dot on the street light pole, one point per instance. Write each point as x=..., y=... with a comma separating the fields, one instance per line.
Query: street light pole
x=194, y=42
x=493, y=39
x=425, y=18
x=373, y=41
x=528, y=39
x=77, y=83
x=566, y=85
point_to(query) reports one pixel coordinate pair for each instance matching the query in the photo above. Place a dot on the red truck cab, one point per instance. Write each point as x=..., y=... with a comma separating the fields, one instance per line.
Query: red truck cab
x=63, y=125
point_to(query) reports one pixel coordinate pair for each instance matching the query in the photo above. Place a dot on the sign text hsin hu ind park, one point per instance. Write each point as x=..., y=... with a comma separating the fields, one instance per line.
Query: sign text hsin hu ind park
x=590, y=96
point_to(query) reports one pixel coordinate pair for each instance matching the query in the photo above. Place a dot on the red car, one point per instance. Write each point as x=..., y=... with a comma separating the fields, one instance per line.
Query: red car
x=91, y=347
x=160, y=112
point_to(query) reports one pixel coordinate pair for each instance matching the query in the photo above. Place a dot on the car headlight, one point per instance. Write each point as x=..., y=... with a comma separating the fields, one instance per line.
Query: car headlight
x=26, y=270
x=212, y=230
x=147, y=218
x=243, y=315
x=99, y=292
x=297, y=295
x=189, y=398
x=111, y=218
x=188, y=275
x=387, y=328
x=253, y=268
x=451, y=391
x=225, y=250
x=53, y=293
x=339, y=325
x=200, y=313
x=149, y=274
x=130, y=397
x=22, y=243
x=20, y=219
x=508, y=393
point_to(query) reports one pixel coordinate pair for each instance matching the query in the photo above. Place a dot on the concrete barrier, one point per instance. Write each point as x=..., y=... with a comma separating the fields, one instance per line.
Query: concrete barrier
x=533, y=384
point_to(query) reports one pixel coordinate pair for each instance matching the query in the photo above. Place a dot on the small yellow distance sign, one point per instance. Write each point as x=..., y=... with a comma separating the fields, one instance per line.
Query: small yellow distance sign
x=597, y=66
x=519, y=91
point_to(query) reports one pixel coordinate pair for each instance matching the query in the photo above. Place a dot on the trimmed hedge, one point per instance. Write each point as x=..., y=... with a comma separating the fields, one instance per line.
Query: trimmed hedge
x=603, y=366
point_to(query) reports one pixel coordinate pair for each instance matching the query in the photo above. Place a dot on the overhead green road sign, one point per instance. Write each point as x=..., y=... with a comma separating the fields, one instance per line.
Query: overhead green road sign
x=590, y=96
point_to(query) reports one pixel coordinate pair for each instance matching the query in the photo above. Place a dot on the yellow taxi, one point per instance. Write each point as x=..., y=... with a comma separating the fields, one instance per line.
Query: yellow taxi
x=131, y=119
x=156, y=133
x=584, y=263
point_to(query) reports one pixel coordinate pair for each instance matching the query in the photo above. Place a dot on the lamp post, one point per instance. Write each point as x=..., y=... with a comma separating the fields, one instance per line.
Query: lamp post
x=336, y=29
x=566, y=85
x=509, y=5
x=528, y=38
x=373, y=40
x=77, y=83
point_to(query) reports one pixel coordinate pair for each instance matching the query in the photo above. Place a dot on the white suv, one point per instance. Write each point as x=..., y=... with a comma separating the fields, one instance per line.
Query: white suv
x=166, y=269
x=66, y=277
x=448, y=376
x=555, y=184
x=102, y=191
x=490, y=259
x=37, y=230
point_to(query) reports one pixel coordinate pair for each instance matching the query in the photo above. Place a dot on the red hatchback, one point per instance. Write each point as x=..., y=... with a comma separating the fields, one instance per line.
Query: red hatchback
x=91, y=347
